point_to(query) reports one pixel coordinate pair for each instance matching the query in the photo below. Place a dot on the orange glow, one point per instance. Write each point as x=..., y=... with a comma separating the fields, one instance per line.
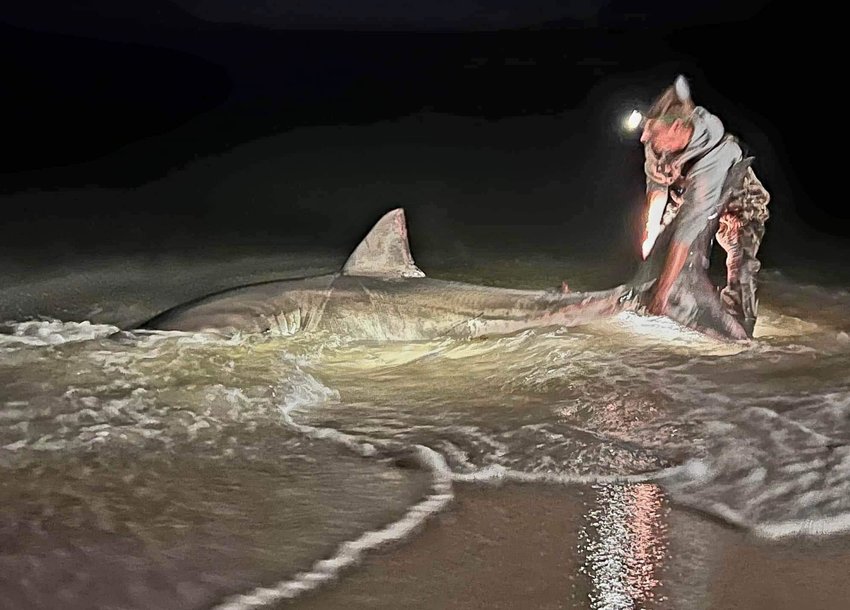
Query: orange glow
x=653, y=222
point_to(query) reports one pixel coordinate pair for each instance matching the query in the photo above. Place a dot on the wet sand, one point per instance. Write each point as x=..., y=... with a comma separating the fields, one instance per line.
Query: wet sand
x=532, y=547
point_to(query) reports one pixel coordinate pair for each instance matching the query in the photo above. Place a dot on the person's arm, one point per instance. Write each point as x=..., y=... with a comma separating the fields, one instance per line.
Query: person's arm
x=676, y=258
x=657, y=196
x=659, y=176
x=662, y=170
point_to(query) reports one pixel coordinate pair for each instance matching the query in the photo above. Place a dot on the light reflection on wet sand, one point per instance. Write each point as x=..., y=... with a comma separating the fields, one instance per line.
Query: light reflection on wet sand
x=624, y=543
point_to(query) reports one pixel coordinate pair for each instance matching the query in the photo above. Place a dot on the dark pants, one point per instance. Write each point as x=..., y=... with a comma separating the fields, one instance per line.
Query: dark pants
x=740, y=234
x=741, y=242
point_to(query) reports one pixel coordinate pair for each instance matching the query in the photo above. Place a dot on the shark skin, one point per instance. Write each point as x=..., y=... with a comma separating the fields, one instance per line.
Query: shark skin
x=380, y=294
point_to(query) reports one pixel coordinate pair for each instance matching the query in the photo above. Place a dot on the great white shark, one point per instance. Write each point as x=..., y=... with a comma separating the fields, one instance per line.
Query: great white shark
x=381, y=294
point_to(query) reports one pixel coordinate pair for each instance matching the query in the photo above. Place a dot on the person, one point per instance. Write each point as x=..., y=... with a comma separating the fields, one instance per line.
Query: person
x=688, y=159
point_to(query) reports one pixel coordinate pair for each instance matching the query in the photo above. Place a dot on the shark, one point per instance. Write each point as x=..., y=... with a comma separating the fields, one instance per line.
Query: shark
x=380, y=293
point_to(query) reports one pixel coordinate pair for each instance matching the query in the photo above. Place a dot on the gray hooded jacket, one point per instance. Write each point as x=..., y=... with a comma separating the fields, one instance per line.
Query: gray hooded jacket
x=701, y=168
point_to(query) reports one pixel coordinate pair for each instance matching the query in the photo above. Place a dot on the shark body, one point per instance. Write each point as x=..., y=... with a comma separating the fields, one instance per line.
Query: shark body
x=381, y=294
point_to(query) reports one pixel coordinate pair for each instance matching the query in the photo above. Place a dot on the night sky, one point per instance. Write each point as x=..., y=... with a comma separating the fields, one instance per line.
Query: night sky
x=107, y=97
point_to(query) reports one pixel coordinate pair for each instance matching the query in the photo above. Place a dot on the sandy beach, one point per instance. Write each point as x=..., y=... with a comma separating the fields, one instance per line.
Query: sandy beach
x=528, y=547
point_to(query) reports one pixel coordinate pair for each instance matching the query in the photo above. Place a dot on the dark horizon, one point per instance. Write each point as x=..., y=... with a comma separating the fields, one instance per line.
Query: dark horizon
x=108, y=97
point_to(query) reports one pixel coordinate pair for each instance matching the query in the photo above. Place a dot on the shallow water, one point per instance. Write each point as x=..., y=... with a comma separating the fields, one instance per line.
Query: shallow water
x=182, y=470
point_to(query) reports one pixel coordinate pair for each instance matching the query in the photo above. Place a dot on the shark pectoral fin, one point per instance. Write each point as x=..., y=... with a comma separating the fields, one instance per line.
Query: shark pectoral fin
x=385, y=251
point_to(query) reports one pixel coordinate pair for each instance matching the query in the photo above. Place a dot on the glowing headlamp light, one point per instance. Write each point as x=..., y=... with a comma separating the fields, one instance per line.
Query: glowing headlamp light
x=633, y=121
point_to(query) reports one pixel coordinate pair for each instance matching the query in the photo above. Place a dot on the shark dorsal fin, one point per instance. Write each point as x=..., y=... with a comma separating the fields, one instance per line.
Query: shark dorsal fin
x=384, y=252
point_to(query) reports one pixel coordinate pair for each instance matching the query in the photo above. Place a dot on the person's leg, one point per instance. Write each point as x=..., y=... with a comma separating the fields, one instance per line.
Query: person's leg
x=741, y=242
x=729, y=238
x=750, y=240
x=753, y=210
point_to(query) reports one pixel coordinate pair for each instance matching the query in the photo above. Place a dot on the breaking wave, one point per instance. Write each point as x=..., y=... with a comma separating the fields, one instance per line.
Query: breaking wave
x=50, y=332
